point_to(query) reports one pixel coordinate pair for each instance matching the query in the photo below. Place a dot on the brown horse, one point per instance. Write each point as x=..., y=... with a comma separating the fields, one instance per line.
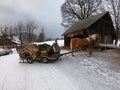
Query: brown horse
x=84, y=43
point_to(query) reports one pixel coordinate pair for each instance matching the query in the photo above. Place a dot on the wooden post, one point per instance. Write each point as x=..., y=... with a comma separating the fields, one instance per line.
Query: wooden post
x=105, y=43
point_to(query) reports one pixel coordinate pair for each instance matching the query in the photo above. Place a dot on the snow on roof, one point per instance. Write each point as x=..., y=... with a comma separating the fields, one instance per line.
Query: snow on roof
x=16, y=40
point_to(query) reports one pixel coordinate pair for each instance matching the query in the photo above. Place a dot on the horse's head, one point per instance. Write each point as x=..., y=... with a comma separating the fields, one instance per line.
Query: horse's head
x=95, y=37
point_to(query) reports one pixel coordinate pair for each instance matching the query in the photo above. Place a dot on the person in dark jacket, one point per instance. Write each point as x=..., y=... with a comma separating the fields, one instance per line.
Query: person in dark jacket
x=56, y=47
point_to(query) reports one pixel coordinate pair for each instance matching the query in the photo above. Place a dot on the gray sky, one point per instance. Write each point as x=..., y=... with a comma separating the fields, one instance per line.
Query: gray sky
x=46, y=12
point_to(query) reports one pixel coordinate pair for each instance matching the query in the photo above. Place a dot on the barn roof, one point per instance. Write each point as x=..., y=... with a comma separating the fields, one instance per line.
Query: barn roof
x=84, y=24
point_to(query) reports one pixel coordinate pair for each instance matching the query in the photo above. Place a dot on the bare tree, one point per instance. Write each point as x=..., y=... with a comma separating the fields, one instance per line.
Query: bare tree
x=42, y=35
x=10, y=35
x=115, y=12
x=19, y=30
x=74, y=10
x=11, y=32
x=30, y=27
x=5, y=39
x=25, y=31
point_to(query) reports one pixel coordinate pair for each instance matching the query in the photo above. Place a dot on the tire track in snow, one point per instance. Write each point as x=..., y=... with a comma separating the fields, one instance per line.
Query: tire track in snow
x=3, y=85
x=49, y=78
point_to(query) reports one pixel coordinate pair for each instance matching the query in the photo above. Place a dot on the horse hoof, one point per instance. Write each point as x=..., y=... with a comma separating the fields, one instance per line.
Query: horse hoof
x=72, y=55
x=88, y=55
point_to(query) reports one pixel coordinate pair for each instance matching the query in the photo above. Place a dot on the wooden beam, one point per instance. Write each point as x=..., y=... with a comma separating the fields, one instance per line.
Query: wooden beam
x=108, y=46
x=104, y=20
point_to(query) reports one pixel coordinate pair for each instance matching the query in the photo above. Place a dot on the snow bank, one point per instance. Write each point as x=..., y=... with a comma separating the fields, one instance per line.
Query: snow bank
x=60, y=42
x=118, y=43
x=1, y=49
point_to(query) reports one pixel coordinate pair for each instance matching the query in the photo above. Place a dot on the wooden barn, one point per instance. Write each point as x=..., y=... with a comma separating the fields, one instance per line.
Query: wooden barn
x=6, y=42
x=101, y=24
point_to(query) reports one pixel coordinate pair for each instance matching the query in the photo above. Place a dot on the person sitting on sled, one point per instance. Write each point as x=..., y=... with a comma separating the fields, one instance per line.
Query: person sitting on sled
x=56, y=47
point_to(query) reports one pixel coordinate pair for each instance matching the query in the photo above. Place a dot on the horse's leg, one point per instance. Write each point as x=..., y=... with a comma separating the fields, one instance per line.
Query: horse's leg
x=71, y=48
x=91, y=47
x=88, y=51
x=80, y=49
x=72, y=52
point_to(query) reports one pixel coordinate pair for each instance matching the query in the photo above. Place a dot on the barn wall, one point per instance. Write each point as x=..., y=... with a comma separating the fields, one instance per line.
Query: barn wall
x=109, y=39
x=104, y=29
x=66, y=41
x=106, y=39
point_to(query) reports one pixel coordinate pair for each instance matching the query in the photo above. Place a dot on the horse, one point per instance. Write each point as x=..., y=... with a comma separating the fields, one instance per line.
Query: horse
x=84, y=43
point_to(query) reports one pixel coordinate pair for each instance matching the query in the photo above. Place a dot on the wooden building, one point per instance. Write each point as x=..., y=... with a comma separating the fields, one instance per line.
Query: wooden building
x=6, y=42
x=101, y=24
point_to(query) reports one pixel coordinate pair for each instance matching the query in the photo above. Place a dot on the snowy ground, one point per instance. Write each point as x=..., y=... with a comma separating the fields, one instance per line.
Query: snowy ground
x=101, y=71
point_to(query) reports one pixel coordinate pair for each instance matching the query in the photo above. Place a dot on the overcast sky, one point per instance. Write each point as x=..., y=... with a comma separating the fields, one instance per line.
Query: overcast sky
x=45, y=12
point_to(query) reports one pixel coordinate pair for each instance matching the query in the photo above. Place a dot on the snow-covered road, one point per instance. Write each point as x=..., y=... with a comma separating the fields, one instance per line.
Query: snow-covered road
x=98, y=72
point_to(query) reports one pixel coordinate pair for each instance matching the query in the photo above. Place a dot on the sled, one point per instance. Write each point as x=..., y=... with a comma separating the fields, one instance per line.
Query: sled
x=43, y=52
x=33, y=52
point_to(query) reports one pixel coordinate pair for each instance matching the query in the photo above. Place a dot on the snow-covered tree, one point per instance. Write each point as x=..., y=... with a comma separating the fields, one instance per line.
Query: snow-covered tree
x=114, y=8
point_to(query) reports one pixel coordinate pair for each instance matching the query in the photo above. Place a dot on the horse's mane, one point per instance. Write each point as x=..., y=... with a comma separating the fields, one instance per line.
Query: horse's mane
x=94, y=37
